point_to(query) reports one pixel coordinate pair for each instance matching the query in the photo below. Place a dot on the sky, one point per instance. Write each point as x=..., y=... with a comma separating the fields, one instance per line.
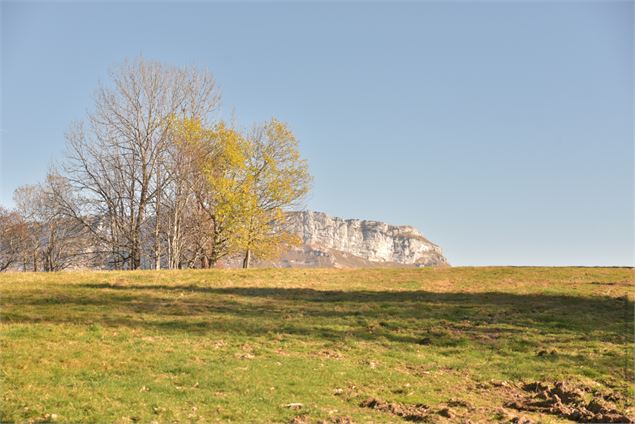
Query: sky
x=502, y=130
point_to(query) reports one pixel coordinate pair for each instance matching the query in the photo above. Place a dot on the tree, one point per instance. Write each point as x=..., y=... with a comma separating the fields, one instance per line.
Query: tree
x=248, y=183
x=53, y=240
x=277, y=179
x=64, y=239
x=184, y=231
x=13, y=237
x=28, y=205
x=218, y=182
x=149, y=182
x=116, y=163
x=178, y=221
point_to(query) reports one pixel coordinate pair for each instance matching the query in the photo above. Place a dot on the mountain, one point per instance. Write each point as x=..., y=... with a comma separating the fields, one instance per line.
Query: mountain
x=333, y=242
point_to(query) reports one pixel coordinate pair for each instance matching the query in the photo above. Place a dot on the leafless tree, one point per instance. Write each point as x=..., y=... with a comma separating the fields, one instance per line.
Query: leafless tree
x=53, y=241
x=28, y=205
x=118, y=161
x=179, y=221
x=13, y=237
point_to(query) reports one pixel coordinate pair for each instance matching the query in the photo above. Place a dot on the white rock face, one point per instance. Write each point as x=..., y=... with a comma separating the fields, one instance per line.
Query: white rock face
x=371, y=241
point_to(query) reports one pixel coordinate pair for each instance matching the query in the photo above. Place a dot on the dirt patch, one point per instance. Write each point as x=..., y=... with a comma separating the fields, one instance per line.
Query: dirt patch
x=416, y=370
x=300, y=419
x=455, y=410
x=415, y=413
x=446, y=412
x=544, y=352
x=304, y=419
x=425, y=341
x=567, y=400
x=612, y=283
x=458, y=403
x=342, y=420
x=328, y=354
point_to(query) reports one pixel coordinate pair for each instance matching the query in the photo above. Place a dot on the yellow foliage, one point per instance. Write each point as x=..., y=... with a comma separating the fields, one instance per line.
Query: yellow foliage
x=250, y=181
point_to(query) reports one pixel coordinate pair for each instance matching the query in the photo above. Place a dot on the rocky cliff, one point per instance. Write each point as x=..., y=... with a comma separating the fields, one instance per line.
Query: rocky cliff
x=335, y=242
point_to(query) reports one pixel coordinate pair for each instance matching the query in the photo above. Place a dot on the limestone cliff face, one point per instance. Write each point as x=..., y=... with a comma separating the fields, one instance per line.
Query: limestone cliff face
x=330, y=241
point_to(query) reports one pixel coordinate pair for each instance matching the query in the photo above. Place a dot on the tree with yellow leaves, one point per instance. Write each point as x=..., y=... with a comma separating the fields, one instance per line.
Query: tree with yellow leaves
x=247, y=183
x=217, y=178
x=278, y=179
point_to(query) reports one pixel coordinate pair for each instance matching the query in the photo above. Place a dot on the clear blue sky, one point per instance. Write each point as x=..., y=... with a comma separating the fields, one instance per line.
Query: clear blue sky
x=502, y=130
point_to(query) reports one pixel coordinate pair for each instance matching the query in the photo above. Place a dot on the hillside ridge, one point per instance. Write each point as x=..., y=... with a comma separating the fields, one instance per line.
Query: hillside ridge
x=328, y=241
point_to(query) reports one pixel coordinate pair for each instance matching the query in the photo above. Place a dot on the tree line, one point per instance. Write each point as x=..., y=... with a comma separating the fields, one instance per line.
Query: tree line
x=151, y=180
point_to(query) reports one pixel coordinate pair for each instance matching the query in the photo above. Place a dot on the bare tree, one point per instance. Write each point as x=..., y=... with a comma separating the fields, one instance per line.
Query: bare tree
x=118, y=162
x=13, y=237
x=181, y=223
x=65, y=241
x=29, y=206
x=53, y=241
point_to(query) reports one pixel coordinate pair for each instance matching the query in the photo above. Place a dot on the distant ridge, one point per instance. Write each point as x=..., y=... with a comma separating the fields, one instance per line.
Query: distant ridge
x=332, y=242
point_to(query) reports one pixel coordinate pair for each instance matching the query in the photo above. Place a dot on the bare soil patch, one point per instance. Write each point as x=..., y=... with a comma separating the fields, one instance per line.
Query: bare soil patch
x=415, y=413
x=570, y=401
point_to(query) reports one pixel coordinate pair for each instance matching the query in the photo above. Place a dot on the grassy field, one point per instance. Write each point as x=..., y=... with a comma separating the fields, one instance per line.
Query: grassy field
x=432, y=345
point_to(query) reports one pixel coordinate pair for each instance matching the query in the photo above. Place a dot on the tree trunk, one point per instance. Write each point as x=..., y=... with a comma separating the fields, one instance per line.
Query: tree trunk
x=247, y=260
x=157, y=223
x=136, y=254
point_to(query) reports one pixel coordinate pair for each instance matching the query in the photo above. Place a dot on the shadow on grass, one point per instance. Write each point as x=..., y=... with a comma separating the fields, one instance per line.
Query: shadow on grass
x=415, y=316
x=453, y=322
x=509, y=325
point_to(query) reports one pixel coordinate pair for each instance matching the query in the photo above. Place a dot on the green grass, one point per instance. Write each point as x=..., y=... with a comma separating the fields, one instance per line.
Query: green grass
x=234, y=345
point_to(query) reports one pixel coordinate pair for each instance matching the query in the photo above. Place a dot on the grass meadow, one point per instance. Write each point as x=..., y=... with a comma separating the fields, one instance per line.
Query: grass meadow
x=308, y=345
